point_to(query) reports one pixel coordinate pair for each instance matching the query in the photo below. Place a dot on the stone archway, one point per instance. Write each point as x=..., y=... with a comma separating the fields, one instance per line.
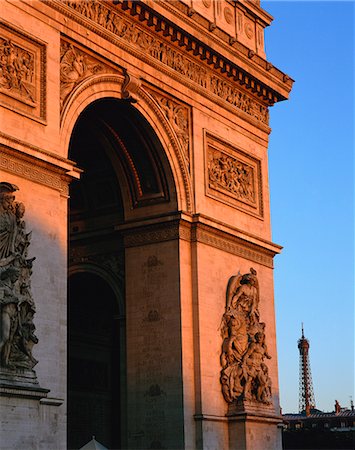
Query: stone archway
x=126, y=178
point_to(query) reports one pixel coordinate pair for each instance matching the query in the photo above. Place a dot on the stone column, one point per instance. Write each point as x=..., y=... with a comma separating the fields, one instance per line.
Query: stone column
x=154, y=366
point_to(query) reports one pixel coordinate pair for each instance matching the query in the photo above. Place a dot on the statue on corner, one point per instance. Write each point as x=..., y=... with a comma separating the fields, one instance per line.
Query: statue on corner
x=244, y=374
x=16, y=303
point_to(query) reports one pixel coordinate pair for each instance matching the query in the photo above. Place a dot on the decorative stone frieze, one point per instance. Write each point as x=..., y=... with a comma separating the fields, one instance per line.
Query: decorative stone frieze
x=150, y=47
x=75, y=67
x=179, y=117
x=233, y=176
x=22, y=72
x=196, y=231
x=244, y=375
x=35, y=170
x=232, y=244
x=17, y=304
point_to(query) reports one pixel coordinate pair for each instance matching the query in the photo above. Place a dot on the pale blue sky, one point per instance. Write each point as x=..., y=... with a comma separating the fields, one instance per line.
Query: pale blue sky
x=312, y=192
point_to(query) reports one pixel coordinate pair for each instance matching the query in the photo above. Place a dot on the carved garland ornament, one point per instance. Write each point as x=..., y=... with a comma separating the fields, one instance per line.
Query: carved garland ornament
x=158, y=49
x=244, y=375
x=17, y=306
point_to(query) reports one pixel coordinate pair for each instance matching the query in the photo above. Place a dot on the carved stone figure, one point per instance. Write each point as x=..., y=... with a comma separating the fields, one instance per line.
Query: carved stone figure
x=16, y=303
x=75, y=66
x=16, y=70
x=244, y=374
x=229, y=174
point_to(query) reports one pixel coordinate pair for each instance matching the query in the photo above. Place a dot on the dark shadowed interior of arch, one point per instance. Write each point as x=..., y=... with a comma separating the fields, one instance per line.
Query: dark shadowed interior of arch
x=124, y=169
x=93, y=362
x=112, y=141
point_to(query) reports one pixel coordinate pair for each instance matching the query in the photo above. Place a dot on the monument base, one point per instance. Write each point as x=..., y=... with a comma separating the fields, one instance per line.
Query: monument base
x=254, y=426
x=20, y=383
x=30, y=419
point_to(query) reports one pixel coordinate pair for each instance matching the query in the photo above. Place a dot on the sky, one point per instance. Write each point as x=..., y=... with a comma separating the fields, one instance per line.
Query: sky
x=311, y=171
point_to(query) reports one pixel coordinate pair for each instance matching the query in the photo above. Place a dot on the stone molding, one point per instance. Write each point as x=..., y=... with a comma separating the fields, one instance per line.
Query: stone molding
x=184, y=162
x=163, y=229
x=33, y=149
x=233, y=176
x=33, y=169
x=23, y=73
x=23, y=392
x=151, y=234
x=232, y=244
x=198, y=71
x=142, y=95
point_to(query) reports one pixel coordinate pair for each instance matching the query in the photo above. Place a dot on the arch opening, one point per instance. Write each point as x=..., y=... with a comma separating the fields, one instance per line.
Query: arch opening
x=93, y=362
x=126, y=175
x=132, y=149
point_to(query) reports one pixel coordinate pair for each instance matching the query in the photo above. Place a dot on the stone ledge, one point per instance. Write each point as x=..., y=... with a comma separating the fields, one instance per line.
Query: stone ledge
x=35, y=393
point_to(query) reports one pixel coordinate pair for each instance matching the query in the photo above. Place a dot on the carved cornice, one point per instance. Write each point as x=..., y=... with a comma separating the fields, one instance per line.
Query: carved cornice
x=189, y=228
x=143, y=13
x=34, y=169
x=151, y=234
x=197, y=66
x=33, y=149
x=232, y=244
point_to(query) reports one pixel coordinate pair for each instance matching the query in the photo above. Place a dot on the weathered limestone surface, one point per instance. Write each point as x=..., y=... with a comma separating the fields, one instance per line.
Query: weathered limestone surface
x=195, y=79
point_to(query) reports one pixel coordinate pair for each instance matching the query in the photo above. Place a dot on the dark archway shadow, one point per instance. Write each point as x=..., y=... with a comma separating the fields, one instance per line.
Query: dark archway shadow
x=126, y=177
x=93, y=362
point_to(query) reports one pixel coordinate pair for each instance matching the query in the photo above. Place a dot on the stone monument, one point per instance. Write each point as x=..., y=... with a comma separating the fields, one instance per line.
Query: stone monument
x=135, y=135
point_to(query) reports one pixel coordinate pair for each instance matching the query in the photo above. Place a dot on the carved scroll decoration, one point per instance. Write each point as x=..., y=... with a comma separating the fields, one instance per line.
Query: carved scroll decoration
x=167, y=54
x=178, y=116
x=17, y=305
x=75, y=67
x=244, y=375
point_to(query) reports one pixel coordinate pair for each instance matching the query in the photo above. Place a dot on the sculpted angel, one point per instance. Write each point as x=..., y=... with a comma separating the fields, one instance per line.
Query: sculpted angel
x=74, y=67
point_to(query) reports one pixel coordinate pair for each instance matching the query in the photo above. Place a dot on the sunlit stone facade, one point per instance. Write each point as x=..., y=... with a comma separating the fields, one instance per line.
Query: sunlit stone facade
x=135, y=134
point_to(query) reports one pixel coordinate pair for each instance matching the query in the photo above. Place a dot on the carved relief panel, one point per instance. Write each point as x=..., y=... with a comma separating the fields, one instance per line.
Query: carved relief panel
x=22, y=72
x=233, y=176
x=245, y=374
x=179, y=117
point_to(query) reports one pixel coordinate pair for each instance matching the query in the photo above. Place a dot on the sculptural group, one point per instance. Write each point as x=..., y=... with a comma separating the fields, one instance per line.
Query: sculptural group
x=244, y=375
x=17, y=306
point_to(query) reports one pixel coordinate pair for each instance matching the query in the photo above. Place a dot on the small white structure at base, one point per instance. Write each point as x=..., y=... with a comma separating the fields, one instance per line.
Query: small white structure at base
x=93, y=445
